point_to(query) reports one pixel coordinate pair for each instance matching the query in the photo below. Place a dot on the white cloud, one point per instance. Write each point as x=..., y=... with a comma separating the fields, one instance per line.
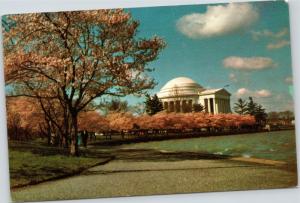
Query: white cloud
x=244, y=92
x=278, y=44
x=218, y=20
x=256, y=35
x=276, y=37
x=289, y=80
x=262, y=93
x=248, y=63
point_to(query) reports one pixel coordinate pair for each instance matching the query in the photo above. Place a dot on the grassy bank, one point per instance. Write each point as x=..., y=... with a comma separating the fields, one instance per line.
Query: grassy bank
x=32, y=163
x=279, y=145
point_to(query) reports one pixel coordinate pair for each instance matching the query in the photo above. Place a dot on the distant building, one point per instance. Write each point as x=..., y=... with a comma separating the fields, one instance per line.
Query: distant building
x=180, y=94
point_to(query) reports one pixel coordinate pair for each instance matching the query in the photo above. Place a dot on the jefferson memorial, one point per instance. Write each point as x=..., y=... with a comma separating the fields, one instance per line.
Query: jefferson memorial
x=182, y=93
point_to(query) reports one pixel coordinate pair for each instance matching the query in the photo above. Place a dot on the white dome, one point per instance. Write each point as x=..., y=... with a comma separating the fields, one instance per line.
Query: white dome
x=181, y=86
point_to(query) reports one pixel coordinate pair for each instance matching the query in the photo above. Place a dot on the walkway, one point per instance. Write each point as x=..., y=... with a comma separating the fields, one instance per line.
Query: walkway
x=147, y=172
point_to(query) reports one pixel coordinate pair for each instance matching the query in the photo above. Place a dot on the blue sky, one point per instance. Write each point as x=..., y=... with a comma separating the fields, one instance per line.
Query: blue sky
x=245, y=45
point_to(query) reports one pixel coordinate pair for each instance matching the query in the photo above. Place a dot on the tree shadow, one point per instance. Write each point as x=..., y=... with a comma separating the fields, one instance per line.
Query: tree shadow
x=95, y=151
x=45, y=150
x=155, y=155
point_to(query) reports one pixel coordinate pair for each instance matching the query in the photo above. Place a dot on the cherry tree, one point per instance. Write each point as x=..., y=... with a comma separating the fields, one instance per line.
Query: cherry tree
x=24, y=117
x=72, y=58
x=92, y=121
x=121, y=121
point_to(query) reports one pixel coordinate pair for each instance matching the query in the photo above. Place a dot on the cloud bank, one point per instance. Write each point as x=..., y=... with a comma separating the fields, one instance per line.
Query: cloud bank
x=248, y=63
x=218, y=20
x=262, y=93
x=278, y=44
x=277, y=38
x=243, y=92
x=256, y=35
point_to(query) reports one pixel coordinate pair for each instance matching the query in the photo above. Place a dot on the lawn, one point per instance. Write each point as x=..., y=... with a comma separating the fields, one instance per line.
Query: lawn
x=279, y=145
x=32, y=163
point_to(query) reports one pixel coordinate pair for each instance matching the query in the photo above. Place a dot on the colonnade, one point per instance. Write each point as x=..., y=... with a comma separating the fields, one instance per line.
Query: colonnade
x=223, y=105
x=211, y=105
x=179, y=105
x=216, y=105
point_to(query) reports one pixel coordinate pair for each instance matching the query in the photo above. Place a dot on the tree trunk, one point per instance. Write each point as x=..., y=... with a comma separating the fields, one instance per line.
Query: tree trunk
x=66, y=136
x=74, y=150
x=48, y=135
x=65, y=141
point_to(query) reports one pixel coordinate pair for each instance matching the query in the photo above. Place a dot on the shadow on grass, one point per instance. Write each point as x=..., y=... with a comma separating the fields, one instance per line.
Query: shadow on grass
x=37, y=148
x=32, y=163
x=31, y=174
x=42, y=149
x=121, y=154
x=154, y=155
x=25, y=176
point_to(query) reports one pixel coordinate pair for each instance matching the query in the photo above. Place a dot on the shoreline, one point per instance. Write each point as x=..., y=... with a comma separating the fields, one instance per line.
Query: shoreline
x=150, y=138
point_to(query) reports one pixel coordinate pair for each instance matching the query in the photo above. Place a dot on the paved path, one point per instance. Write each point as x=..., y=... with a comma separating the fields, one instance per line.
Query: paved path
x=134, y=173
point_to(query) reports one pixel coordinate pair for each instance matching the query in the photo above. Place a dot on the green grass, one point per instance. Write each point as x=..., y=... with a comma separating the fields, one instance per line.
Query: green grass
x=32, y=163
x=278, y=145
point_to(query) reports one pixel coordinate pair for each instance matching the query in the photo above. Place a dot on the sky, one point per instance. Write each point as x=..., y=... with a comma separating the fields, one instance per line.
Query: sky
x=243, y=45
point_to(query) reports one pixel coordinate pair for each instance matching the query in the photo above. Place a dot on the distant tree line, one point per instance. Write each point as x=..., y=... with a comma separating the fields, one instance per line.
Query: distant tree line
x=243, y=107
x=250, y=107
x=281, y=118
x=26, y=118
